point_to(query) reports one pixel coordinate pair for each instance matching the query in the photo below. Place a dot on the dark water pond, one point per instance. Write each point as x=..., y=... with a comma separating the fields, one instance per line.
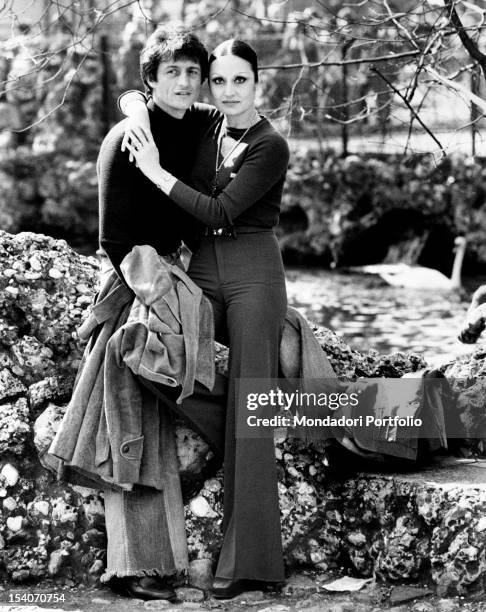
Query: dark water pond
x=369, y=314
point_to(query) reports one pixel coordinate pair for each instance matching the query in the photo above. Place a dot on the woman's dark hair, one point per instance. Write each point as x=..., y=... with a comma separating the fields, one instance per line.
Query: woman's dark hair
x=167, y=44
x=238, y=48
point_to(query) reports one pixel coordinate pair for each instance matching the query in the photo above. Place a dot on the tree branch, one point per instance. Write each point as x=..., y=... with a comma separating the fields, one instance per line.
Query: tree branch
x=466, y=93
x=468, y=43
x=54, y=108
x=359, y=60
x=395, y=19
x=303, y=56
x=410, y=107
x=365, y=114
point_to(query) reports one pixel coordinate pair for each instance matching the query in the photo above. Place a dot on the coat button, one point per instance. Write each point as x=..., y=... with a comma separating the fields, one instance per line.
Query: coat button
x=125, y=448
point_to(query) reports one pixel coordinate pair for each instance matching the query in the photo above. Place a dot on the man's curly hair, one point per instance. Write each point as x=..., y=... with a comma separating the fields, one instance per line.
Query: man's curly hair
x=171, y=43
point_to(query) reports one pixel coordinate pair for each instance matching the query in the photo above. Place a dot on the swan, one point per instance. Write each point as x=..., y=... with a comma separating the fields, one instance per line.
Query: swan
x=419, y=277
x=382, y=268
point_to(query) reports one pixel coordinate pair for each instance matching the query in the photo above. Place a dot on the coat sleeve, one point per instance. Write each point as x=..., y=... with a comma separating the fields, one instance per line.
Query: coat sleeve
x=129, y=96
x=115, y=190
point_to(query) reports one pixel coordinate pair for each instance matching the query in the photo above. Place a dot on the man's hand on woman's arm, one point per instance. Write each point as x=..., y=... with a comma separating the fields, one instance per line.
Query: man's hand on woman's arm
x=133, y=104
x=264, y=165
x=146, y=156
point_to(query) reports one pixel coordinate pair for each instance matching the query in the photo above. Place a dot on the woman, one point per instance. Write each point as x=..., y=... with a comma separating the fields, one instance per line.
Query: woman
x=236, y=192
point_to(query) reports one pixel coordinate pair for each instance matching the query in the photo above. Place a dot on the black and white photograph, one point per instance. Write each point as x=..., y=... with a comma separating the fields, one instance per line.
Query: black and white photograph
x=242, y=305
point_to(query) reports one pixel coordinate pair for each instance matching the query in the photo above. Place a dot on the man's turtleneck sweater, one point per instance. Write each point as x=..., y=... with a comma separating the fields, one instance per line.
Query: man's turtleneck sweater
x=132, y=209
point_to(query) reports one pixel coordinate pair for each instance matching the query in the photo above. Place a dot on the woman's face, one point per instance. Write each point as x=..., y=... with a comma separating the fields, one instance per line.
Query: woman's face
x=232, y=85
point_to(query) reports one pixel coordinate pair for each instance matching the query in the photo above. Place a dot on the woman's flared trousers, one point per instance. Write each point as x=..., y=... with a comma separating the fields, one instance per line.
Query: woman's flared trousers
x=244, y=279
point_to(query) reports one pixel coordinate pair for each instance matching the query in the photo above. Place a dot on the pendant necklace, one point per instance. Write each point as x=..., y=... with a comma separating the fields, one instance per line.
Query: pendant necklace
x=217, y=167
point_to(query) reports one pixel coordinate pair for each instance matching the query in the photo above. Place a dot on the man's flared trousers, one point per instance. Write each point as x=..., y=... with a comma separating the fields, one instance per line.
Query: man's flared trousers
x=244, y=280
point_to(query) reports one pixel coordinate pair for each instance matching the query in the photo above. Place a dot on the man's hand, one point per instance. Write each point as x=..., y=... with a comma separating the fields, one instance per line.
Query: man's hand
x=144, y=150
x=137, y=129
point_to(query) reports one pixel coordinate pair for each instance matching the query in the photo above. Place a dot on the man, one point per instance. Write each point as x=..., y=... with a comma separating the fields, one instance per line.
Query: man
x=133, y=211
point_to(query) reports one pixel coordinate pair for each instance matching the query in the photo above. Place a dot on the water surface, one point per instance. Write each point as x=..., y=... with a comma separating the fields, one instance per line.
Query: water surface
x=369, y=314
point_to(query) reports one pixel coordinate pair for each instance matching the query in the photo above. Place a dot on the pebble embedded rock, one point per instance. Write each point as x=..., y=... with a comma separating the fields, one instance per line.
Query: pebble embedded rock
x=14, y=426
x=357, y=538
x=14, y=523
x=422, y=606
x=55, y=273
x=251, y=598
x=42, y=507
x=201, y=508
x=9, y=503
x=93, y=510
x=46, y=426
x=10, y=386
x=447, y=605
x=299, y=584
x=401, y=594
x=192, y=451
x=39, y=355
x=189, y=594
x=35, y=264
x=56, y=560
x=63, y=511
x=97, y=568
x=200, y=573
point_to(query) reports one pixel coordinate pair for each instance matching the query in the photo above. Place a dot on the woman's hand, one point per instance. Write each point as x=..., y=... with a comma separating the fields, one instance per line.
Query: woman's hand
x=144, y=150
x=137, y=128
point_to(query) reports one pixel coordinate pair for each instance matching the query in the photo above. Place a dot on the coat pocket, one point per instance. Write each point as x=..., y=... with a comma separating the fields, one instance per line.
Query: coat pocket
x=132, y=449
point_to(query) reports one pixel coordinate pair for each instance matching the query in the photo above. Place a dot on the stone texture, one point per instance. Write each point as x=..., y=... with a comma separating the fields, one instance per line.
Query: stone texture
x=424, y=525
x=201, y=508
x=44, y=391
x=189, y=594
x=10, y=386
x=157, y=604
x=14, y=426
x=192, y=451
x=9, y=475
x=46, y=425
x=251, y=598
x=299, y=584
x=200, y=573
x=422, y=606
x=447, y=605
x=56, y=561
x=402, y=594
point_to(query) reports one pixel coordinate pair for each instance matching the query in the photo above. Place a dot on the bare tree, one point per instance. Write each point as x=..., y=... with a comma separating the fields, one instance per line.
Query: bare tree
x=358, y=66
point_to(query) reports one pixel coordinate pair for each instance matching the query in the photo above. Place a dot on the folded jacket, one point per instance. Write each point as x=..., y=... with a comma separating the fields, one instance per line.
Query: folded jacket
x=168, y=337
x=110, y=430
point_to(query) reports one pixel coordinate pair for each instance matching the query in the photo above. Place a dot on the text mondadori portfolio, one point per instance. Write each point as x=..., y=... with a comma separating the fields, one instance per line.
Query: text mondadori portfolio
x=293, y=406
x=328, y=421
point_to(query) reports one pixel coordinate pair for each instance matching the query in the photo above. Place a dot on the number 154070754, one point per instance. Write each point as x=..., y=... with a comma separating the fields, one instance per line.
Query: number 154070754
x=32, y=597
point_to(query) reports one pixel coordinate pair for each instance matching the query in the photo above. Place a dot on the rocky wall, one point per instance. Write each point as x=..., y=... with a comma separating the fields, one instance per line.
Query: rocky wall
x=368, y=209
x=51, y=529
x=403, y=528
x=349, y=212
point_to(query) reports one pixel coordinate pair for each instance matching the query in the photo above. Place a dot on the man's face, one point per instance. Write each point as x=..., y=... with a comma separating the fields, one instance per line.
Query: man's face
x=177, y=85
